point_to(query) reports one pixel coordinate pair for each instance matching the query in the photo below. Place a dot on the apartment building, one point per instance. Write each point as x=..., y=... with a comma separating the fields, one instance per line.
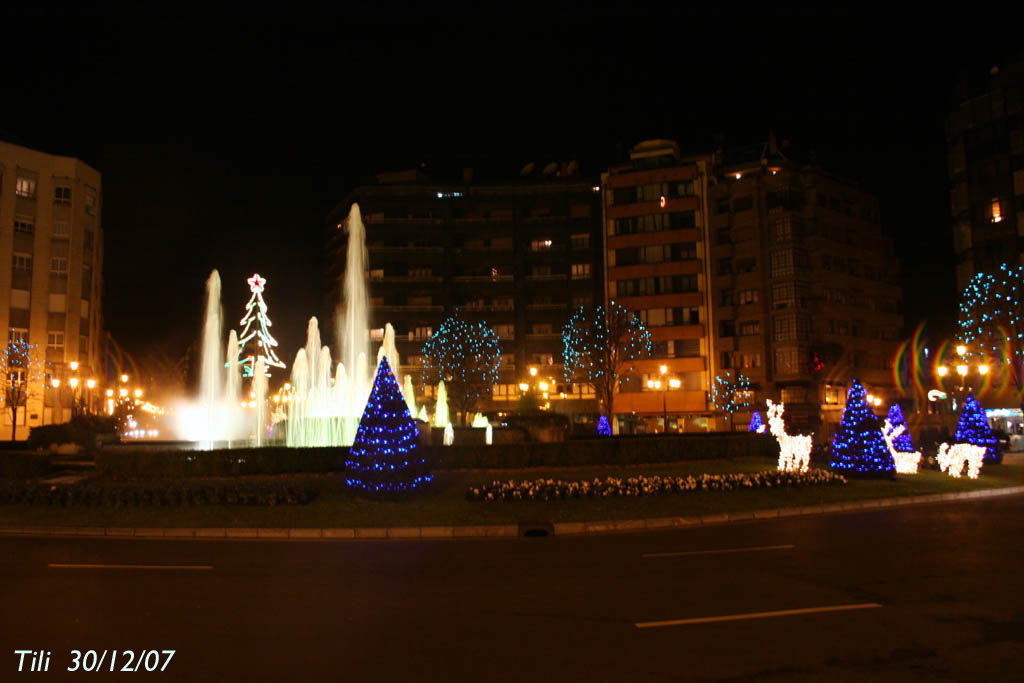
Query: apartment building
x=655, y=225
x=519, y=255
x=804, y=286
x=51, y=258
x=985, y=145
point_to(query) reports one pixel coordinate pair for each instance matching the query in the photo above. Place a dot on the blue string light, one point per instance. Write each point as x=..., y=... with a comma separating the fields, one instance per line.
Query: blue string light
x=973, y=429
x=599, y=345
x=756, y=423
x=603, y=427
x=729, y=394
x=467, y=356
x=858, y=447
x=383, y=460
x=992, y=317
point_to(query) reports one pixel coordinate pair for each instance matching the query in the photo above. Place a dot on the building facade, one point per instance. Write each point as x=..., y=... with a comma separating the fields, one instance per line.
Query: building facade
x=985, y=145
x=804, y=286
x=519, y=255
x=51, y=260
x=655, y=232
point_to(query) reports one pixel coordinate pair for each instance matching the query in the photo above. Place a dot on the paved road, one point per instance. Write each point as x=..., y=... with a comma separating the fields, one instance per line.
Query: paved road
x=948, y=581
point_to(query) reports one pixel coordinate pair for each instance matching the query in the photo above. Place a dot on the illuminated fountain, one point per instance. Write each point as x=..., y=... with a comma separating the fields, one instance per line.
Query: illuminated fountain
x=326, y=400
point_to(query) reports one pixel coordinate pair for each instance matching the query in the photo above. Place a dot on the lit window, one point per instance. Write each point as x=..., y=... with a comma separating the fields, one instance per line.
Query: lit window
x=422, y=332
x=377, y=274
x=997, y=213
x=25, y=187
x=18, y=334
x=540, y=245
x=580, y=271
x=581, y=241
x=55, y=341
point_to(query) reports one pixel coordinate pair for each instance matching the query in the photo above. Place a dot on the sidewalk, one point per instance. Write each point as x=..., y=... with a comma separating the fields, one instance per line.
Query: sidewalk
x=501, y=530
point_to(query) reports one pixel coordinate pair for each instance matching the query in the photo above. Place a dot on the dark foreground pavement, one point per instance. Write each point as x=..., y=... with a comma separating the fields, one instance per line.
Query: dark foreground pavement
x=948, y=580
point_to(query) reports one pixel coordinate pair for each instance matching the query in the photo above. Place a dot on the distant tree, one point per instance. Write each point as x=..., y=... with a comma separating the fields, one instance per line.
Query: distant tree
x=729, y=393
x=24, y=376
x=598, y=346
x=992, y=318
x=467, y=356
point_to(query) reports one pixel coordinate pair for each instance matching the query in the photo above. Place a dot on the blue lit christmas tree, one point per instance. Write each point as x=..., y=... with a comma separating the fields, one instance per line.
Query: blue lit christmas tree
x=756, y=423
x=603, y=428
x=973, y=429
x=858, y=448
x=902, y=443
x=383, y=461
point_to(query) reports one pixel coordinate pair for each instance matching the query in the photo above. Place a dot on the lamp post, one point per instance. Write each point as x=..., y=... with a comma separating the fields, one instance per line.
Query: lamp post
x=963, y=368
x=55, y=383
x=91, y=384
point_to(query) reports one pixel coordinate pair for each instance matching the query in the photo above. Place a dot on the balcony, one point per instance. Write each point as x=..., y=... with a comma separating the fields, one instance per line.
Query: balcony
x=543, y=335
x=551, y=277
x=482, y=278
x=546, y=307
x=409, y=307
x=404, y=250
x=408, y=278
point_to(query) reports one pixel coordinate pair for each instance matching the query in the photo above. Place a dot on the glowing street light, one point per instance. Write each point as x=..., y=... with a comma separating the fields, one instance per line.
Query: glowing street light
x=961, y=370
x=123, y=393
x=124, y=378
x=523, y=386
x=138, y=393
x=110, y=393
x=961, y=350
x=543, y=386
x=91, y=383
x=73, y=382
x=982, y=369
x=533, y=372
x=943, y=371
x=55, y=383
x=74, y=366
x=674, y=383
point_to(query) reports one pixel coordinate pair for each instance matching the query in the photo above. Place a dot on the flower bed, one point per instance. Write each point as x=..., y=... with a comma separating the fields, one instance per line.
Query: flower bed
x=552, y=489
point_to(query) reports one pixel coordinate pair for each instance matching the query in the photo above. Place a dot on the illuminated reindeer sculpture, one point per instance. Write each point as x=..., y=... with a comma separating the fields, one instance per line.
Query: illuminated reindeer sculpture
x=794, y=450
x=952, y=459
x=906, y=463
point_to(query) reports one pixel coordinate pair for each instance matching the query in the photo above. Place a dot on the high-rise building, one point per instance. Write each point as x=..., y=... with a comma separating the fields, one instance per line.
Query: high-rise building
x=985, y=144
x=804, y=286
x=51, y=258
x=518, y=255
x=655, y=214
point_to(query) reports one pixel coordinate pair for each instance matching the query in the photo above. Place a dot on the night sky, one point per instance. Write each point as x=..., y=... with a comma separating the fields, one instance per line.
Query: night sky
x=224, y=140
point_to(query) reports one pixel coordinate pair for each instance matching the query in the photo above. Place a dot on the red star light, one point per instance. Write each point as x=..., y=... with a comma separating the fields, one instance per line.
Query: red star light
x=256, y=282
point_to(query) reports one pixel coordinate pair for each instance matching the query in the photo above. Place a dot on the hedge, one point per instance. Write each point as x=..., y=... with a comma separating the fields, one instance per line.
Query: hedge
x=22, y=465
x=124, y=463
x=81, y=429
x=166, y=494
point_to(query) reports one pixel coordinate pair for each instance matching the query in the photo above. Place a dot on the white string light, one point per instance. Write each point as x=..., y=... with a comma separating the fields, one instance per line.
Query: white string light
x=794, y=449
x=952, y=459
x=906, y=463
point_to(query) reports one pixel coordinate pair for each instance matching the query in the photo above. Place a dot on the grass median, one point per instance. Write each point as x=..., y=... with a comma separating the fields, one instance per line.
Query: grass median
x=446, y=503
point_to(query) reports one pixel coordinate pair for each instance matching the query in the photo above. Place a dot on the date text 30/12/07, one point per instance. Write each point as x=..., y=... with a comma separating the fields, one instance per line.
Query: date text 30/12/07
x=96, y=660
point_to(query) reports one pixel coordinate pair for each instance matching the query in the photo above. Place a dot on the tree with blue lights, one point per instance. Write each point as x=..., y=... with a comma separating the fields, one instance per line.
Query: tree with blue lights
x=599, y=345
x=383, y=461
x=756, y=423
x=973, y=429
x=23, y=373
x=902, y=443
x=858, y=448
x=603, y=428
x=467, y=356
x=992, y=318
x=729, y=393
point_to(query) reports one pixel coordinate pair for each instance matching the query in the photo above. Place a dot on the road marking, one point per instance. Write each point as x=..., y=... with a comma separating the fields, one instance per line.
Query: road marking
x=193, y=567
x=757, y=615
x=720, y=552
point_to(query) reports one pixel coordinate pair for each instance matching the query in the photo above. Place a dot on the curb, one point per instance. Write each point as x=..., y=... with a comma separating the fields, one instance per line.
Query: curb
x=500, y=530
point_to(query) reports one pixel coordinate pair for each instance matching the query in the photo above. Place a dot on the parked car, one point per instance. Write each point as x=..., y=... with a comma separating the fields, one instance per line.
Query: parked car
x=1003, y=439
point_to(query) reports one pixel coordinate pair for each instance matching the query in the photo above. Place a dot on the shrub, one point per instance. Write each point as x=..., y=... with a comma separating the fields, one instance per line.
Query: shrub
x=22, y=465
x=124, y=463
x=81, y=429
x=164, y=494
